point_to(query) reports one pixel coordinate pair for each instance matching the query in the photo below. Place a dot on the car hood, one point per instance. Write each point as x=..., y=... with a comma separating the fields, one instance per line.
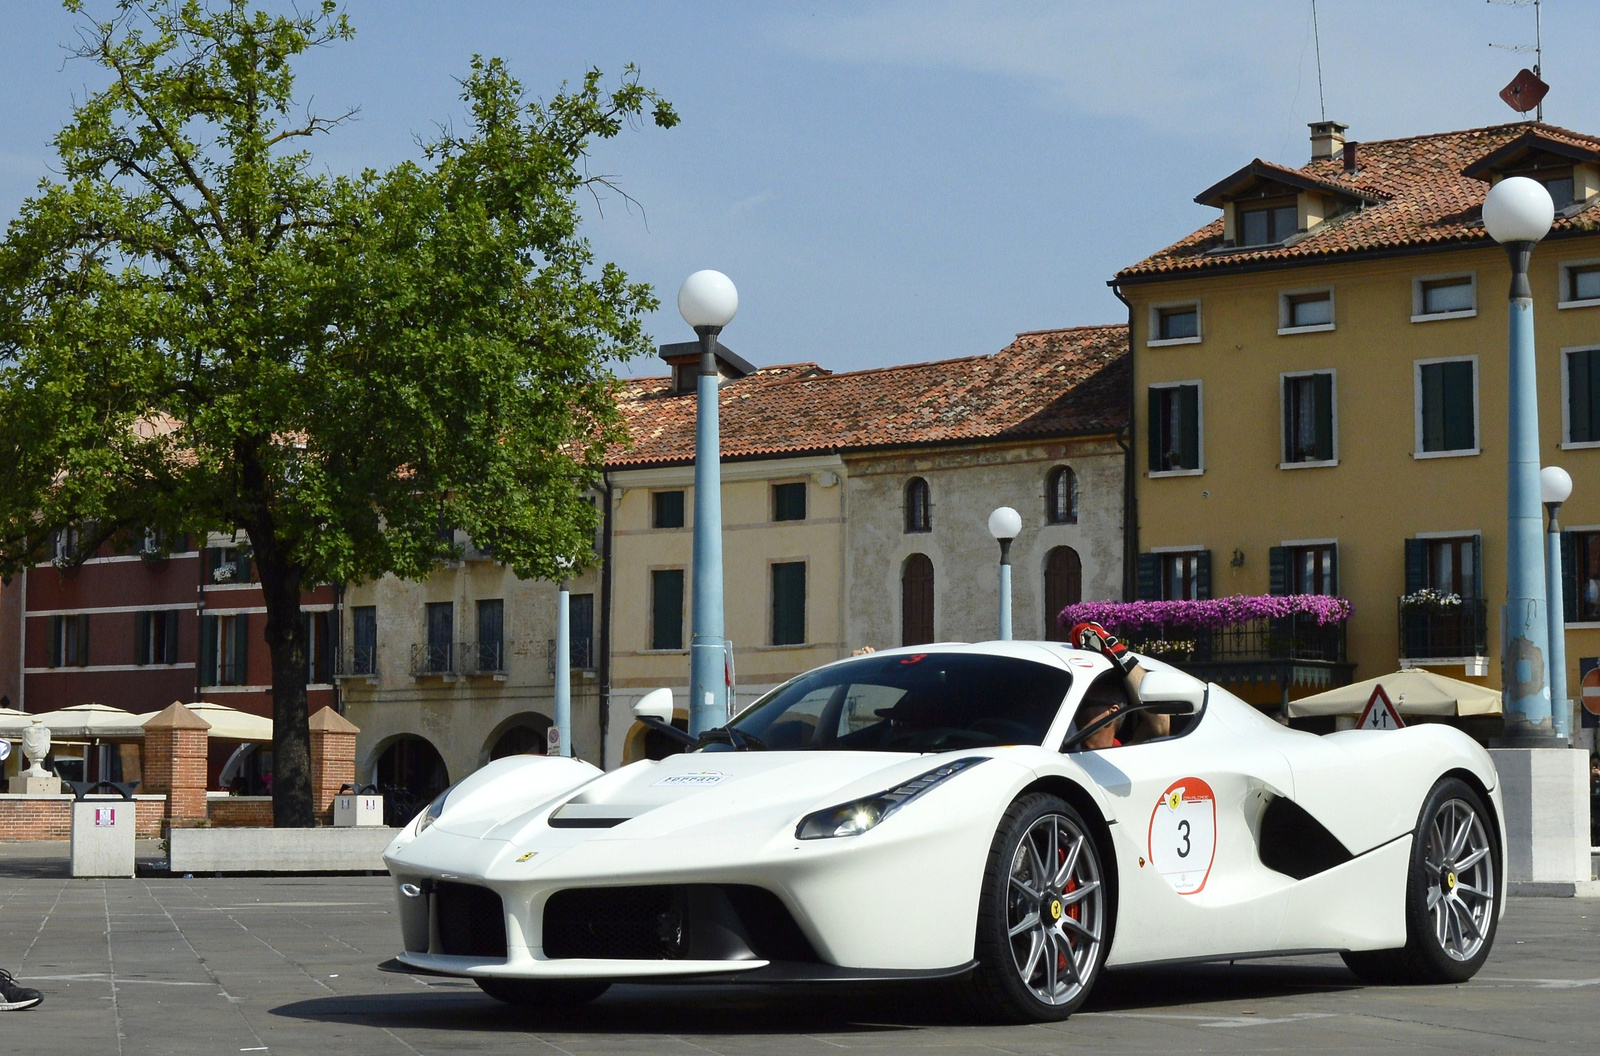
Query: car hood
x=702, y=793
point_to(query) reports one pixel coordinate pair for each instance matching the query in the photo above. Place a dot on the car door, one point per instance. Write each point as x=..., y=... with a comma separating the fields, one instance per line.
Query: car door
x=1188, y=810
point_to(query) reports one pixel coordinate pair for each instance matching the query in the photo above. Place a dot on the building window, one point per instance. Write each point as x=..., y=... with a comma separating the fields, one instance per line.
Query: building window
x=1447, y=406
x=1175, y=323
x=667, y=509
x=228, y=564
x=1308, y=568
x=1308, y=418
x=1580, y=284
x=1312, y=310
x=155, y=637
x=364, y=640
x=439, y=650
x=1583, y=396
x=69, y=641
x=224, y=650
x=1265, y=227
x=319, y=647
x=1581, y=559
x=491, y=646
x=919, y=508
x=1560, y=188
x=666, y=608
x=1452, y=565
x=789, y=501
x=1061, y=496
x=1175, y=428
x=1063, y=586
x=789, y=603
x=1446, y=295
x=916, y=600
x=1177, y=575
x=580, y=631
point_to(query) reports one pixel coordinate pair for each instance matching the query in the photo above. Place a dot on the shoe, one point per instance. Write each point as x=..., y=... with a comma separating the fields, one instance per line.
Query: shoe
x=1095, y=638
x=14, y=998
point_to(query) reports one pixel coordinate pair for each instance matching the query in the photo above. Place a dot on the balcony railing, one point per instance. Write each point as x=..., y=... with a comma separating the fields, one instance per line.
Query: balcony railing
x=581, y=655
x=356, y=661
x=458, y=658
x=1433, y=632
x=1293, y=649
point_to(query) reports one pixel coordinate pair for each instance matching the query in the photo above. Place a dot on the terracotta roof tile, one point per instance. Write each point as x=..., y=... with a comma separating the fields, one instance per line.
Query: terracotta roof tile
x=1424, y=199
x=1045, y=383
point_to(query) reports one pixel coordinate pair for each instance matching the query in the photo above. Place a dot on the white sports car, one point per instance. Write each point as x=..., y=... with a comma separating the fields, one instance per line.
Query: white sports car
x=937, y=813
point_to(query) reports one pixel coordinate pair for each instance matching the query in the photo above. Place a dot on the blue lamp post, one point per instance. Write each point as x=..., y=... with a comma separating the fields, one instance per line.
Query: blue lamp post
x=1517, y=213
x=1005, y=524
x=1555, y=485
x=563, y=724
x=707, y=301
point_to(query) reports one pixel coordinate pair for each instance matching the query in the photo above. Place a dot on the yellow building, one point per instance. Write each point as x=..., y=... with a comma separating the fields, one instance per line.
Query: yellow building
x=1320, y=403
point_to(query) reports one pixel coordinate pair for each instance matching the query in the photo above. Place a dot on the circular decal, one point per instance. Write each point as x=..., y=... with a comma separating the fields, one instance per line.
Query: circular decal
x=1590, y=691
x=1183, y=835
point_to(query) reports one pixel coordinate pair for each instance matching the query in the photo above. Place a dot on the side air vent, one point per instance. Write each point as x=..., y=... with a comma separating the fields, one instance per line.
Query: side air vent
x=1296, y=844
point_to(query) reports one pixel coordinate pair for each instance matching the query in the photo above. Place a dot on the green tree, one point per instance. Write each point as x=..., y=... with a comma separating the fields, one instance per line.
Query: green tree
x=200, y=331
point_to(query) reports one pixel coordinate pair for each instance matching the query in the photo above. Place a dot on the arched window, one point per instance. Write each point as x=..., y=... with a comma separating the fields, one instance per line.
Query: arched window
x=1061, y=496
x=1063, y=586
x=919, y=509
x=916, y=600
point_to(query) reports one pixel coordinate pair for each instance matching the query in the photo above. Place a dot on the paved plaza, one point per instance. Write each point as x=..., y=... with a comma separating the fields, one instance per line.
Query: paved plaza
x=287, y=965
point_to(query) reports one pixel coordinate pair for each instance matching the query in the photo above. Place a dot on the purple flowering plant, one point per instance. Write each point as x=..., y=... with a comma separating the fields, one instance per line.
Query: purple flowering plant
x=1214, y=613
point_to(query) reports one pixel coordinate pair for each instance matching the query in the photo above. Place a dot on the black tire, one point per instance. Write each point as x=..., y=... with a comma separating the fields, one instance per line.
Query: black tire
x=1452, y=895
x=1045, y=971
x=543, y=993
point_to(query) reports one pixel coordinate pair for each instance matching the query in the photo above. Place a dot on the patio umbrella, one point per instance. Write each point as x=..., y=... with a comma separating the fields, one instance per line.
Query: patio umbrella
x=227, y=724
x=1423, y=693
x=79, y=721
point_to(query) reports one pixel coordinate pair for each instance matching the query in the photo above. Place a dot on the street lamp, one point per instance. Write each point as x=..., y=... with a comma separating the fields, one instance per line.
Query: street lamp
x=1517, y=213
x=1555, y=484
x=562, y=742
x=1004, y=524
x=707, y=301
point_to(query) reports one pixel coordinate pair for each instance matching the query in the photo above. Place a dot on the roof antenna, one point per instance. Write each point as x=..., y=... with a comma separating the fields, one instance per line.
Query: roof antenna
x=1322, y=104
x=1537, y=47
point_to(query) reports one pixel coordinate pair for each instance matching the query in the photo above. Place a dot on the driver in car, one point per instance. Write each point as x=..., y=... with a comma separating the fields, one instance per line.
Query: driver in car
x=1097, y=703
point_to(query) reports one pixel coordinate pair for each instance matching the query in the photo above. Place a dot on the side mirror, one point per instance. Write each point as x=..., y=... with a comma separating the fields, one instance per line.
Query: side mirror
x=656, y=704
x=1171, y=693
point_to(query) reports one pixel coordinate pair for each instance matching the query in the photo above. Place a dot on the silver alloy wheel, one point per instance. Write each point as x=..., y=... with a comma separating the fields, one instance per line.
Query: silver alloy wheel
x=1055, y=909
x=1461, y=885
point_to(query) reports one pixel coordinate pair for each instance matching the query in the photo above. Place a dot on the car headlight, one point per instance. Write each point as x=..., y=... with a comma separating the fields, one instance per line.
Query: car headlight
x=431, y=813
x=857, y=816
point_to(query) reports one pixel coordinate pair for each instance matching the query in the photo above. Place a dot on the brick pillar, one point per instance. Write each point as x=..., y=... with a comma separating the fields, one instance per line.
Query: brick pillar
x=333, y=759
x=175, y=763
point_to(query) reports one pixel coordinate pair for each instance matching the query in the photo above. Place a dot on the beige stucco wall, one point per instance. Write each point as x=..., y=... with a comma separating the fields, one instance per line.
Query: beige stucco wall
x=965, y=484
x=751, y=542
x=463, y=716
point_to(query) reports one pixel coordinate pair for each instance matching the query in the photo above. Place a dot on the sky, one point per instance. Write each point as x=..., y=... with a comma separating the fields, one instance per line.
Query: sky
x=895, y=181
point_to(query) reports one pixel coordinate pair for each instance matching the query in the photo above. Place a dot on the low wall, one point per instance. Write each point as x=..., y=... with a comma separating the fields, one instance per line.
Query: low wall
x=325, y=850
x=50, y=817
x=234, y=812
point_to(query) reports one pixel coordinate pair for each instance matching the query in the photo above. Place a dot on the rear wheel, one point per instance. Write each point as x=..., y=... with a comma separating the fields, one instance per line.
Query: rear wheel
x=543, y=993
x=1451, y=894
x=1042, y=920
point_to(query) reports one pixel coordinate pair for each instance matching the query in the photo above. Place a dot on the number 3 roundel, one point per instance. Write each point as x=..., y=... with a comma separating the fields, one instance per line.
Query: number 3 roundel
x=1183, y=835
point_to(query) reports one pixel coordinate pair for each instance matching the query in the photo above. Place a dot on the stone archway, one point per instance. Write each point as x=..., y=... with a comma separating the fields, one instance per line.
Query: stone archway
x=526, y=733
x=409, y=773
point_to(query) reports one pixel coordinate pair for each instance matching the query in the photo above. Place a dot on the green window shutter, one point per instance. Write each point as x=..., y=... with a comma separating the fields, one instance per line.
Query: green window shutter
x=82, y=657
x=789, y=603
x=1149, y=588
x=1286, y=395
x=1570, y=581
x=1153, y=421
x=57, y=634
x=1202, y=575
x=241, y=650
x=1189, y=426
x=208, y=650
x=170, y=655
x=1433, y=407
x=1416, y=565
x=1322, y=388
x=1460, y=431
x=1477, y=566
x=1333, y=571
x=1278, y=570
x=141, y=635
x=666, y=608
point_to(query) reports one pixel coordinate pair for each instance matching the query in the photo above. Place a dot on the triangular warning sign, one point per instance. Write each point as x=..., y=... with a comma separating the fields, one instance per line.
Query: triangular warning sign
x=1379, y=714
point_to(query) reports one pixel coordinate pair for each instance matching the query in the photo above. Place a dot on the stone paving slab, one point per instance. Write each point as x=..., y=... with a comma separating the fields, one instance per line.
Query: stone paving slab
x=288, y=965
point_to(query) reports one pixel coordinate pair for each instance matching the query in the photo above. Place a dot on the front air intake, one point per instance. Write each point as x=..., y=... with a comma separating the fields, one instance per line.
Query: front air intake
x=712, y=922
x=471, y=920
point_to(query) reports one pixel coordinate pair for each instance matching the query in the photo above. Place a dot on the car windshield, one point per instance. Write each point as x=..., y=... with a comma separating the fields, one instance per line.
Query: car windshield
x=917, y=702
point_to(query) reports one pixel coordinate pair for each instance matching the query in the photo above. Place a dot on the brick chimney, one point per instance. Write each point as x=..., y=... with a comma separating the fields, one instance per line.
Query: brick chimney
x=1327, y=140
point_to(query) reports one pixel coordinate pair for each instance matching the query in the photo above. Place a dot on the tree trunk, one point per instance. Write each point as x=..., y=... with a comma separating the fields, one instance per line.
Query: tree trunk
x=291, y=731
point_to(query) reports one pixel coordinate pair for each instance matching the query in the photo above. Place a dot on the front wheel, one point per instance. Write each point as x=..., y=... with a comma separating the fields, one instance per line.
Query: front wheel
x=1452, y=891
x=1043, y=915
x=543, y=993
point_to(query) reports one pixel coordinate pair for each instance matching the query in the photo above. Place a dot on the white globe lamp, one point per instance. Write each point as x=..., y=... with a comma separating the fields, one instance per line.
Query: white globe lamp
x=1005, y=523
x=1518, y=209
x=1555, y=485
x=708, y=299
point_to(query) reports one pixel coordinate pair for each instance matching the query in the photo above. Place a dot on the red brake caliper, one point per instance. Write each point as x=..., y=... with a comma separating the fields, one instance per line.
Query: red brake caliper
x=1073, y=911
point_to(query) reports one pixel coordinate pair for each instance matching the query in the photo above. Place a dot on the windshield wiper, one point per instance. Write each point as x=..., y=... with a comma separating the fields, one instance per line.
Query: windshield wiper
x=739, y=740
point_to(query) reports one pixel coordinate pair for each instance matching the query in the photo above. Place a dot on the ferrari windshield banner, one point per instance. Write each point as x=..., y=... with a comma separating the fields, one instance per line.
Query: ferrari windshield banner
x=1183, y=835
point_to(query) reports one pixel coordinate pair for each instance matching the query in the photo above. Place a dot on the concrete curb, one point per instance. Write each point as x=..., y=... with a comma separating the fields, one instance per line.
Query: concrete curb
x=324, y=850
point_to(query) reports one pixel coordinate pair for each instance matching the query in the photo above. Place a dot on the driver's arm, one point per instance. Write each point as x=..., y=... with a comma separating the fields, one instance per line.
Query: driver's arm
x=1149, y=727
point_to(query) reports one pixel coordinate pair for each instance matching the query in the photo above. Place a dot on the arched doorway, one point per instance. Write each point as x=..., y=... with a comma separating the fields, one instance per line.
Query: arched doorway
x=1063, y=586
x=409, y=774
x=916, y=600
x=527, y=734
